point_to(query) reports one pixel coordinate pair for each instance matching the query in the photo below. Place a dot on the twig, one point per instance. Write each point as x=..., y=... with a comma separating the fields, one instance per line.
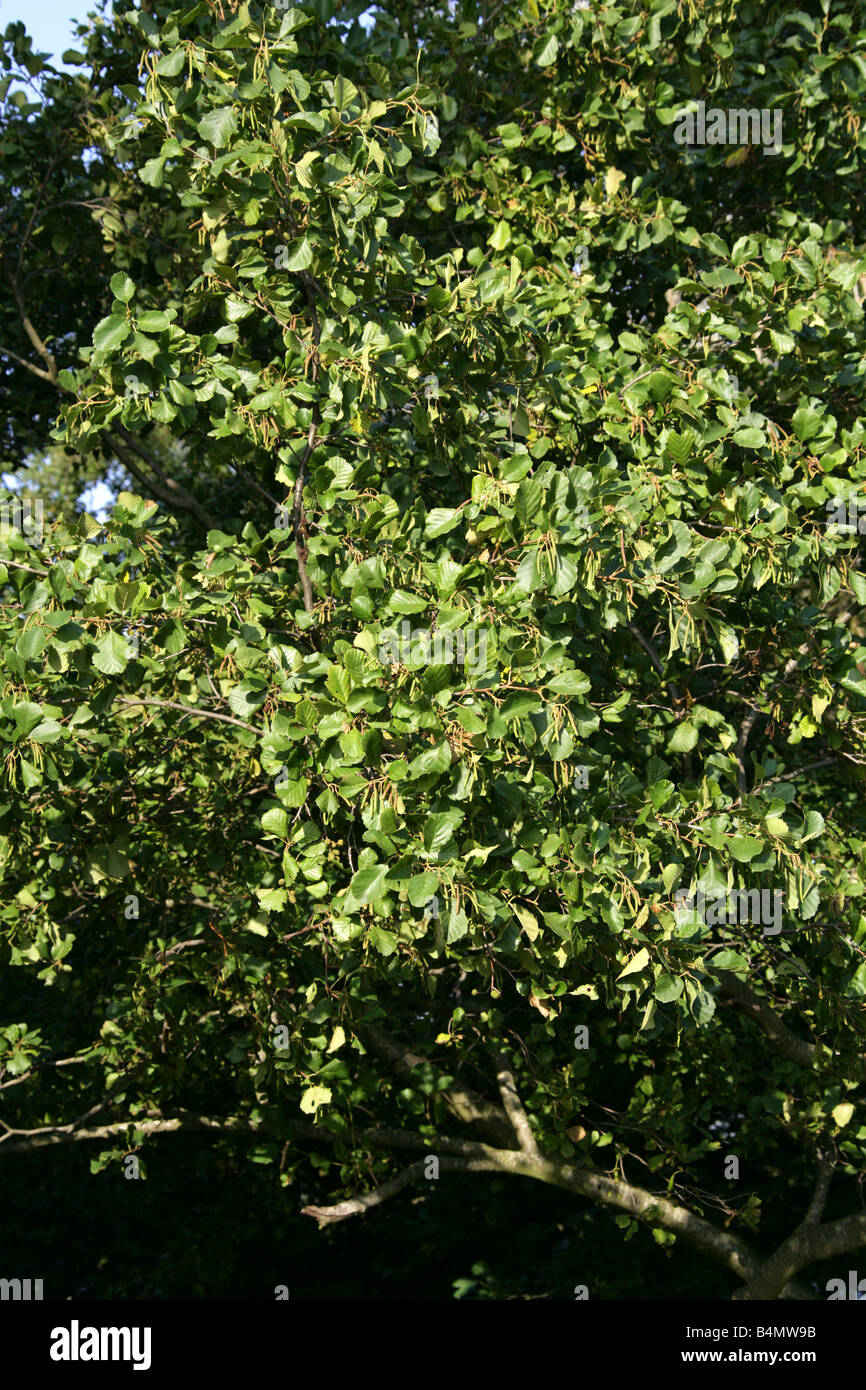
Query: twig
x=187, y=709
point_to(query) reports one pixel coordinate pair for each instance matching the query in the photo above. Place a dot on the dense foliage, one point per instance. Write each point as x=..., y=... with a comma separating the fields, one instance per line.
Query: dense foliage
x=477, y=587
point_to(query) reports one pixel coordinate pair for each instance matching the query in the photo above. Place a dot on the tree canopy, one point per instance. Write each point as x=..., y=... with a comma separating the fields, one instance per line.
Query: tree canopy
x=484, y=576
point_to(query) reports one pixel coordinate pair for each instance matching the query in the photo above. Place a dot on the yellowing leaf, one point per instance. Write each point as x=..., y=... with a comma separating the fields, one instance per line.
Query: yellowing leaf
x=636, y=964
x=313, y=1098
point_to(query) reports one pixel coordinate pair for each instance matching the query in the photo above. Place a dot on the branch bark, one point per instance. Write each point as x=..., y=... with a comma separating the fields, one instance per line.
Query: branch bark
x=465, y=1104
x=25, y=1141
x=819, y=1197
x=763, y=1277
x=50, y=373
x=165, y=488
x=808, y=1243
x=514, y=1109
x=745, y=1001
x=187, y=709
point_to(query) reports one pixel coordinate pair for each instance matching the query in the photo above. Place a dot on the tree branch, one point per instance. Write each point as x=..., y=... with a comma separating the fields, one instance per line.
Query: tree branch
x=44, y=353
x=22, y=362
x=25, y=1141
x=763, y=1278
x=169, y=491
x=356, y=1206
x=672, y=686
x=466, y=1105
x=186, y=709
x=745, y=729
x=819, y=1197
x=807, y=1244
x=514, y=1109
x=745, y=1000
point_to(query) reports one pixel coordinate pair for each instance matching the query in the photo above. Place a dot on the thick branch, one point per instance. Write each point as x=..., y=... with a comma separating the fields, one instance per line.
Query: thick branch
x=165, y=488
x=47, y=356
x=515, y=1111
x=763, y=1278
x=745, y=1001
x=721, y=1246
x=466, y=1105
x=25, y=1141
x=808, y=1243
x=819, y=1197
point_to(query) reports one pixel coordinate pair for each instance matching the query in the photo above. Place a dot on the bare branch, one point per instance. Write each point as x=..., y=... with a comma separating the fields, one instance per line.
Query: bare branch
x=22, y=362
x=179, y=946
x=466, y=1105
x=186, y=709
x=42, y=1066
x=808, y=1243
x=819, y=1197
x=356, y=1206
x=515, y=1111
x=25, y=1141
x=44, y=353
x=742, y=998
x=165, y=488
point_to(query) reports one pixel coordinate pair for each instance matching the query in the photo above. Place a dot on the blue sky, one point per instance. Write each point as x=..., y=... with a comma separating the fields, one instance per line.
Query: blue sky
x=49, y=22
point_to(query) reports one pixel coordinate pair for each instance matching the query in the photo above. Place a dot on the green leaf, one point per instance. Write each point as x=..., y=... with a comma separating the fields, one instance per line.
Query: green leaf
x=112, y=654
x=171, y=63
x=300, y=254
x=247, y=697
x=122, y=287
x=638, y=962
x=667, y=988
x=111, y=332
x=47, y=731
x=369, y=884
x=743, y=848
x=546, y=50
x=26, y=715
x=276, y=822
x=750, y=438
x=807, y=423
x=683, y=738
x=421, y=888
x=436, y=759
x=570, y=683
x=153, y=321
x=439, y=830
x=384, y=941
x=218, y=126
x=441, y=520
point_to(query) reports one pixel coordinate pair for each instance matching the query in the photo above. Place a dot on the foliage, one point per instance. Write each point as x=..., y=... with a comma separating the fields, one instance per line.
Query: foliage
x=449, y=332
